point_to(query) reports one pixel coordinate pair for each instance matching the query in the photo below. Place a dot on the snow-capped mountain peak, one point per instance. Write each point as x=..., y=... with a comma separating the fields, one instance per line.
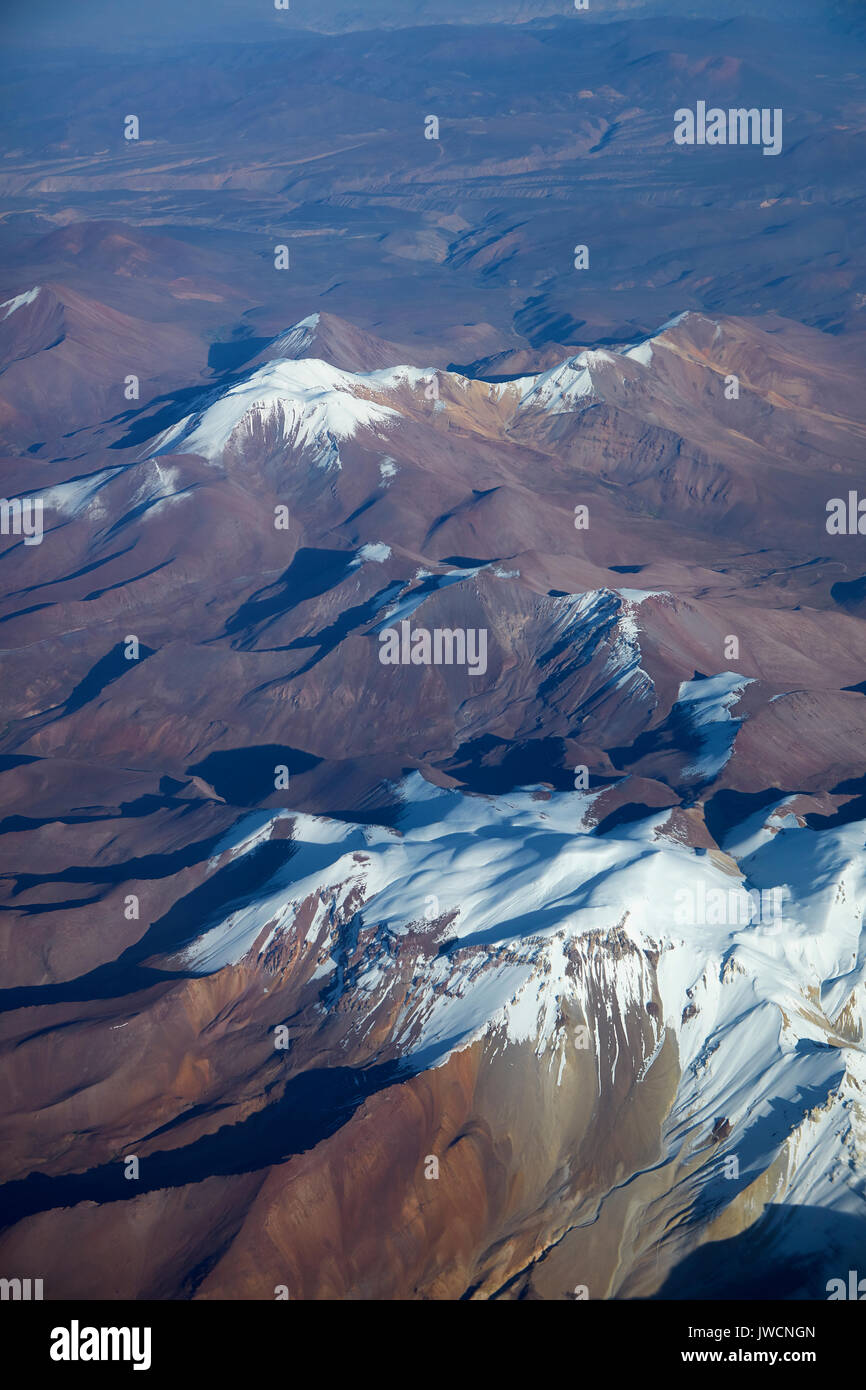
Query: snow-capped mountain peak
x=306, y=403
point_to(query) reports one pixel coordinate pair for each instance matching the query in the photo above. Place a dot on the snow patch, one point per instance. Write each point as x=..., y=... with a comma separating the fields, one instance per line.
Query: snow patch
x=387, y=471
x=643, y=353
x=10, y=305
x=376, y=553
x=707, y=706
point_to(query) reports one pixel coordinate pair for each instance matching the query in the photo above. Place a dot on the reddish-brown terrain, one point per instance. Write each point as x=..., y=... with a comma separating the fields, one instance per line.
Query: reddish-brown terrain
x=538, y=976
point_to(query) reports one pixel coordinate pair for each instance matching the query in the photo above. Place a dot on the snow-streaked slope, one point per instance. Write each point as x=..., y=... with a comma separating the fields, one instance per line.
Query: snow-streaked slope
x=510, y=919
x=10, y=305
x=78, y=495
x=560, y=388
x=582, y=622
x=155, y=486
x=414, y=595
x=575, y=383
x=706, y=704
x=774, y=1037
x=297, y=338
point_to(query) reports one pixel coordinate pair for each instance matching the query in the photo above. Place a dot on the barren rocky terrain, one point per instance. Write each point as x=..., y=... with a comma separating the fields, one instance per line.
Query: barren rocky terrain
x=345, y=977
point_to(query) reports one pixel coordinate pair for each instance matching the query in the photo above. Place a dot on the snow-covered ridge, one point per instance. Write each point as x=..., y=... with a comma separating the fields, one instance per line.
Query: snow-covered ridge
x=311, y=404
x=577, y=382
x=526, y=870
x=548, y=923
x=314, y=406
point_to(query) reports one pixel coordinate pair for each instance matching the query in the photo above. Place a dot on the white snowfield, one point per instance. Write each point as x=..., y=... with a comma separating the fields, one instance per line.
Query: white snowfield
x=314, y=406
x=547, y=919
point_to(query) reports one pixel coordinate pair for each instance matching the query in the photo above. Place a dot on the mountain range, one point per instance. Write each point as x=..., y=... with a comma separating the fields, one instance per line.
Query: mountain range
x=433, y=844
